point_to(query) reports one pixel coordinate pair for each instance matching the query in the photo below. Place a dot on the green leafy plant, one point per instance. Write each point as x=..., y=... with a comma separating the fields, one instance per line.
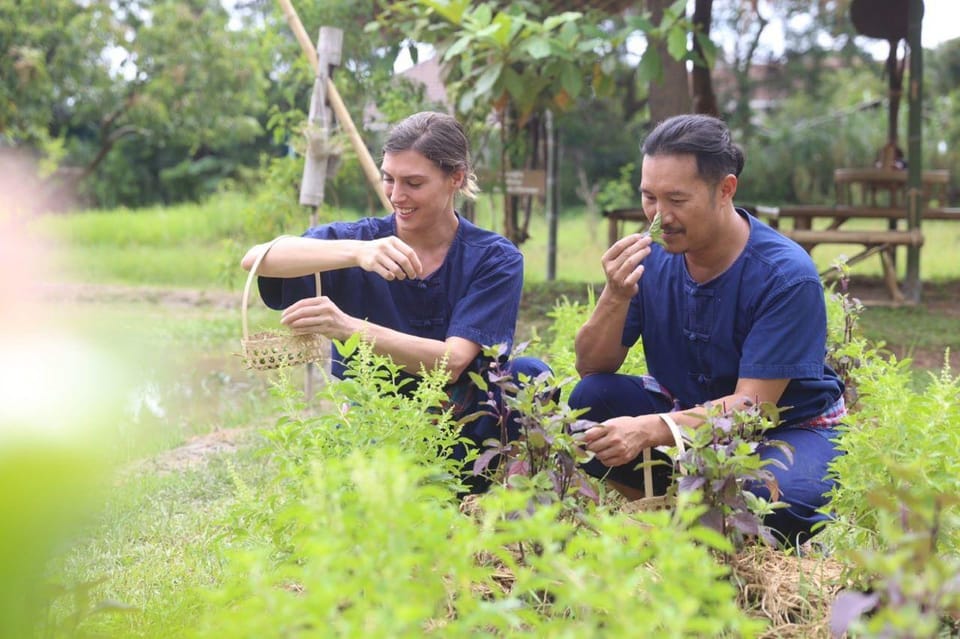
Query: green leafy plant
x=619, y=193
x=547, y=455
x=721, y=463
x=894, y=436
x=910, y=587
x=656, y=230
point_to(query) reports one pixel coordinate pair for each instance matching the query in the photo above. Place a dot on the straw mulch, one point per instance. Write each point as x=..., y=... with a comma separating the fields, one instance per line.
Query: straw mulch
x=793, y=592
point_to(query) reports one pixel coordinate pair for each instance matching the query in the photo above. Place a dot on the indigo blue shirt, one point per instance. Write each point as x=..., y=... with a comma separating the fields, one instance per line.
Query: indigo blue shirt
x=475, y=294
x=763, y=318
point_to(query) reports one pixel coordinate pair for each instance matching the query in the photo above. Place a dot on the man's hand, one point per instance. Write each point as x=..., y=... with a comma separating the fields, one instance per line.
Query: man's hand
x=620, y=440
x=318, y=315
x=390, y=258
x=621, y=264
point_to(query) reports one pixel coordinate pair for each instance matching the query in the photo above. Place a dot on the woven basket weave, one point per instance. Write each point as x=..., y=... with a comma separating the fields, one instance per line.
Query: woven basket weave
x=270, y=350
x=649, y=501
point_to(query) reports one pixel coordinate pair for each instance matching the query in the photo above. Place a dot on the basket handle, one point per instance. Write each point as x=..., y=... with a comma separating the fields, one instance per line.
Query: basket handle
x=648, y=456
x=253, y=274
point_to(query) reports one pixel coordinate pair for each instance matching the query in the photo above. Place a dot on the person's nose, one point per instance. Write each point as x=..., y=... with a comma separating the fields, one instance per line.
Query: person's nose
x=666, y=217
x=397, y=193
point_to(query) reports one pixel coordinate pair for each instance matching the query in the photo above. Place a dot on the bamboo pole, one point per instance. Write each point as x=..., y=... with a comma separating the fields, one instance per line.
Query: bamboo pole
x=339, y=108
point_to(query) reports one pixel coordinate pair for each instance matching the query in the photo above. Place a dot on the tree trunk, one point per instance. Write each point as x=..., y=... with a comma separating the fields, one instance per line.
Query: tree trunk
x=672, y=95
x=704, y=99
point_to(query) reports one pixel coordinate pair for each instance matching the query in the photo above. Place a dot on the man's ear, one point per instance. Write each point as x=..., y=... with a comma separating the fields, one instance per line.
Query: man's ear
x=728, y=186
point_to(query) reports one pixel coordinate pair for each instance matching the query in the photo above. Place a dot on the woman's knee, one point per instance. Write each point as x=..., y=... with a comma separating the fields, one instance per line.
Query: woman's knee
x=530, y=367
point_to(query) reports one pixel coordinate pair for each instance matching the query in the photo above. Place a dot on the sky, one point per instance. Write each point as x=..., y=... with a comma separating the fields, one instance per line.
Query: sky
x=940, y=22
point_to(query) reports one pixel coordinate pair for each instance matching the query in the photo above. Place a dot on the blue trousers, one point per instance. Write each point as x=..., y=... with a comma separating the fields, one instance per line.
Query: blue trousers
x=487, y=427
x=802, y=484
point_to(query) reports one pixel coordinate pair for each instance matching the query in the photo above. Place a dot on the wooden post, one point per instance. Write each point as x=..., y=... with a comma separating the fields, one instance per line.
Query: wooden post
x=320, y=159
x=369, y=167
x=914, y=147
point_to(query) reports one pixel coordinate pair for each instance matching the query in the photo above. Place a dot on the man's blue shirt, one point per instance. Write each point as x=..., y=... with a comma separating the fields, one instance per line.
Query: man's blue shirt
x=763, y=318
x=475, y=294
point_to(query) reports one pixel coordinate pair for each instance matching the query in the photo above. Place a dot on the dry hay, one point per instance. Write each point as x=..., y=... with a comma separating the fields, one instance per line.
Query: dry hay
x=794, y=593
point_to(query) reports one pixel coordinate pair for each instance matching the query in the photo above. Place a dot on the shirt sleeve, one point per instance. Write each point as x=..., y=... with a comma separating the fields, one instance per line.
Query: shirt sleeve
x=789, y=335
x=280, y=292
x=487, y=314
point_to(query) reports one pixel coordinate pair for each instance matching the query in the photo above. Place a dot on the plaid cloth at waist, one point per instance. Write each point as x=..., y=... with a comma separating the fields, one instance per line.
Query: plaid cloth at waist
x=828, y=419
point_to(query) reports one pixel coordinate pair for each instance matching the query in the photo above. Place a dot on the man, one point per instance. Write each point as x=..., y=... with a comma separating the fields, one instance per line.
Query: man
x=729, y=311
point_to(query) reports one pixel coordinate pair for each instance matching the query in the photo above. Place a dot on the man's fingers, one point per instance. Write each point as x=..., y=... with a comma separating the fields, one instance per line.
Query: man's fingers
x=593, y=434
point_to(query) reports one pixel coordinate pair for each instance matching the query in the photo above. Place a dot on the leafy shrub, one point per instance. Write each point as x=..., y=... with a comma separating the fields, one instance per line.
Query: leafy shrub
x=896, y=439
x=911, y=588
x=721, y=463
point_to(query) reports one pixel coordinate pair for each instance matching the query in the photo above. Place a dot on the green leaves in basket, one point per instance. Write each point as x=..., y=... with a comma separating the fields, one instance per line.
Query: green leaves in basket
x=656, y=230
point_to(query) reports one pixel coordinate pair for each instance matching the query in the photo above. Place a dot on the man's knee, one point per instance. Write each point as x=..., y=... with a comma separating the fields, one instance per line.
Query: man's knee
x=590, y=391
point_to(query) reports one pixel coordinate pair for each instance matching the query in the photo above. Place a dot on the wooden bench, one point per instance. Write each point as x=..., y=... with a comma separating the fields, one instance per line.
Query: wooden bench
x=875, y=242
x=617, y=220
x=803, y=215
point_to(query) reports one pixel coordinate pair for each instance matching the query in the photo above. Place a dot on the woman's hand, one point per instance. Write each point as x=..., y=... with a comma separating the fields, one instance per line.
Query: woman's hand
x=620, y=440
x=390, y=258
x=319, y=315
x=621, y=264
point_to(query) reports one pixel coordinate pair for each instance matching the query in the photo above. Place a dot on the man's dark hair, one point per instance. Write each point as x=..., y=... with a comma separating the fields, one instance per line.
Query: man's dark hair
x=703, y=136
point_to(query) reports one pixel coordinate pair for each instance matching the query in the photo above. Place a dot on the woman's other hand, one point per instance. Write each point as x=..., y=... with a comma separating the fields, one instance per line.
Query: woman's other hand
x=390, y=258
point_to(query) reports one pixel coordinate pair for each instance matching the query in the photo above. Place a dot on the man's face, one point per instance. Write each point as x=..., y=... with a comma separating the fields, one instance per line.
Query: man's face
x=689, y=207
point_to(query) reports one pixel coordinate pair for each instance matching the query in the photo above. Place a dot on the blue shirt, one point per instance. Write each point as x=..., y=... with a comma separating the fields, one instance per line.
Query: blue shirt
x=475, y=294
x=763, y=318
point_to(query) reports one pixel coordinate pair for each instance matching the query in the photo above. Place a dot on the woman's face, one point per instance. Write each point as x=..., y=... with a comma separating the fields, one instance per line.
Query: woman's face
x=420, y=192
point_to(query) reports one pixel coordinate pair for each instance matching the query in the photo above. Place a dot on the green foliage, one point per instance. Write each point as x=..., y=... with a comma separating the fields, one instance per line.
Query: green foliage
x=721, y=463
x=504, y=53
x=912, y=587
x=382, y=547
x=620, y=193
x=656, y=229
x=894, y=439
x=567, y=316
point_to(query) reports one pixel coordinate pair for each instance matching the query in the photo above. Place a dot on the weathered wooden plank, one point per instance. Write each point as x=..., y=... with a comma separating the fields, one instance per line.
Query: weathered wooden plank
x=867, y=238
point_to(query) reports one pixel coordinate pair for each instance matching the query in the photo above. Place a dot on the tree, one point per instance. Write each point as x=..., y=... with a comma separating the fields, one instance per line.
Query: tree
x=88, y=76
x=516, y=60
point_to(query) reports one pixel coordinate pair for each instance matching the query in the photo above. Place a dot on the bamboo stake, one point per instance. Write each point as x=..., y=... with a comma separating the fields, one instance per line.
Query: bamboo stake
x=339, y=108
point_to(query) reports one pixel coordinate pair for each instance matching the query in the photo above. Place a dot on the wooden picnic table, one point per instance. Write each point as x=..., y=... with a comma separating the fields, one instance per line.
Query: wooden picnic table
x=877, y=194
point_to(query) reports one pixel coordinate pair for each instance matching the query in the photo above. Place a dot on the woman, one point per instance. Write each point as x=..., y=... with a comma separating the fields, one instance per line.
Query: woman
x=424, y=285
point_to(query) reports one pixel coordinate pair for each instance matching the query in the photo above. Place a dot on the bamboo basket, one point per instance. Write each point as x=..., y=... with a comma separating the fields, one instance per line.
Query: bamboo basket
x=649, y=501
x=269, y=350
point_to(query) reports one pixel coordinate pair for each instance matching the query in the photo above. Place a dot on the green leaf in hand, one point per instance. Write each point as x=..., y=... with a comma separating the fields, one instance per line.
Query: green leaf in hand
x=656, y=230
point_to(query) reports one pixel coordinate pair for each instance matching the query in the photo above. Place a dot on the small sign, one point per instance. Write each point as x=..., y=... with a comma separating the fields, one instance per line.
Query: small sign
x=532, y=182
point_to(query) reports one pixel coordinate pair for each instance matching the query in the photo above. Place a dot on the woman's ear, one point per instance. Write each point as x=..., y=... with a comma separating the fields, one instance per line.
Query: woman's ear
x=458, y=178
